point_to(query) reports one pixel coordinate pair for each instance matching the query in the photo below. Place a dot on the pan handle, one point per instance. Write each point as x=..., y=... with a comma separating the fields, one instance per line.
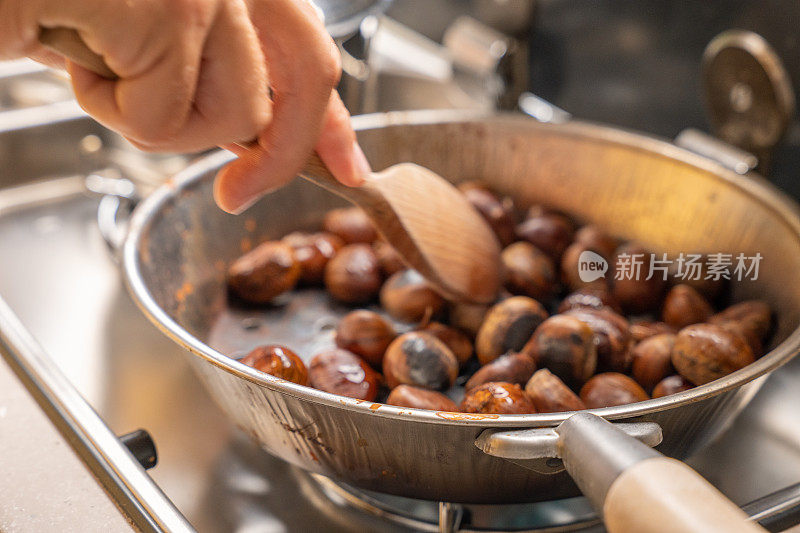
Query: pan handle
x=119, y=198
x=633, y=486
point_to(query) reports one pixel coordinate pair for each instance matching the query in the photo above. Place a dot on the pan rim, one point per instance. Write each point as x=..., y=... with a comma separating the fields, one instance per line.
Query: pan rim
x=752, y=184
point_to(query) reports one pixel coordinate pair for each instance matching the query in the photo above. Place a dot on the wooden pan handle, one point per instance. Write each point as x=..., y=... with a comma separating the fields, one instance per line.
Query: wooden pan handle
x=69, y=44
x=662, y=495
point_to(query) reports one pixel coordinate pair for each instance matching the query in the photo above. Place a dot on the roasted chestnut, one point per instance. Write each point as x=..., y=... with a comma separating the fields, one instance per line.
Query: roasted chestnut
x=611, y=389
x=571, y=267
x=458, y=343
x=671, y=385
x=611, y=336
x=278, y=361
x=499, y=214
x=497, y=398
x=366, y=334
x=388, y=258
x=595, y=239
x=564, y=345
x=652, y=360
x=468, y=317
x=313, y=251
x=351, y=224
x=417, y=398
x=507, y=327
x=419, y=359
x=510, y=368
x=408, y=297
x=644, y=328
x=697, y=276
x=341, y=372
x=263, y=273
x=353, y=275
x=595, y=295
x=636, y=293
x=753, y=318
x=551, y=395
x=705, y=352
x=550, y=232
x=684, y=306
x=528, y=271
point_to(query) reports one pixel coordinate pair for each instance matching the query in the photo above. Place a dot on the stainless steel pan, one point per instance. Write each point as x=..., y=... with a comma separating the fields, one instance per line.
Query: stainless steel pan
x=639, y=188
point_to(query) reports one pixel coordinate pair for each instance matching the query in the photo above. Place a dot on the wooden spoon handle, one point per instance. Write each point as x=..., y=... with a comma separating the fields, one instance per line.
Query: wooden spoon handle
x=69, y=44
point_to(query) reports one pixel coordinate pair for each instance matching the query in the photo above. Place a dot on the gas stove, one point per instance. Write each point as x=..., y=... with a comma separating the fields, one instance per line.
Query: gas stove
x=134, y=377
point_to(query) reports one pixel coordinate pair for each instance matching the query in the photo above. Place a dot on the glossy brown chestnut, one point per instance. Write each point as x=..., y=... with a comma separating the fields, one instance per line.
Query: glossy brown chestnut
x=564, y=345
x=571, y=266
x=510, y=368
x=507, y=327
x=278, y=361
x=366, y=334
x=671, y=385
x=635, y=293
x=388, y=258
x=595, y=295
x=593, y=238
x=611, y=389
x=408, y=297
x=754, y=317
x=341, y=372
x=351, y=224
x=705, y=352
x=684, y=306
x=644, y=328
x=652, y=360
x=353, y=275
x=611, y=337
x=549, y=232
x=263, y=273
x=417, y=398
x=528, y=271
x=497, y=398
x=419, y=359
x=313, y=251
x=458, y=343
x=551, y=395
x=499, y=214
x=695, y=276
x=467, y=317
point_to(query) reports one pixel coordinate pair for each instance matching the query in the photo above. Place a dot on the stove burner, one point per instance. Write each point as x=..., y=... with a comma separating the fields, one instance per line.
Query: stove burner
x=571, y=514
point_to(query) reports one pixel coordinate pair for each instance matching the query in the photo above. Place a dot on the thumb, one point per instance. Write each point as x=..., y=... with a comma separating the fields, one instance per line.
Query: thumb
x=337, y=145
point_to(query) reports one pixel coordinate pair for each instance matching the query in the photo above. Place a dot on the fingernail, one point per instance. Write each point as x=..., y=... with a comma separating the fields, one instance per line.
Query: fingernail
x=362, y=167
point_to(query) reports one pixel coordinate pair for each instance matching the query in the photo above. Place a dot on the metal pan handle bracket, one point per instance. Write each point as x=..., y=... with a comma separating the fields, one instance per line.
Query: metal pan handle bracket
x=538, y=449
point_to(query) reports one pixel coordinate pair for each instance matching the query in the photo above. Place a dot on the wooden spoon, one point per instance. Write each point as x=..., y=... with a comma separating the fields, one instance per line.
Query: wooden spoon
x=430, y=223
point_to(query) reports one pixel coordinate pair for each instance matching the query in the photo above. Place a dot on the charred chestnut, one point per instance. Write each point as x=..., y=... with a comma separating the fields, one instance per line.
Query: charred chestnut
x=549, y=232
x=264, y=272
x=417, y=398
x=419, y=359
x=510, y=368
x=353, y=275
x=611, y=337
x=388, y=258
x=341, y=372
x=458, y=343
x=351, y=224
x=366, y=334
x=671, y=385
x=705, y=352
x=278, y=361
x=528, y=271
x=636, y=293
x=564, y=345
x=497, y=398
x=498, y=214
x=408, y=297
x=313, y=251
x=652, y=360
x=507, y=327
x=644, y=328
x=684, y=306
x=611, y=389
x=551, y=395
